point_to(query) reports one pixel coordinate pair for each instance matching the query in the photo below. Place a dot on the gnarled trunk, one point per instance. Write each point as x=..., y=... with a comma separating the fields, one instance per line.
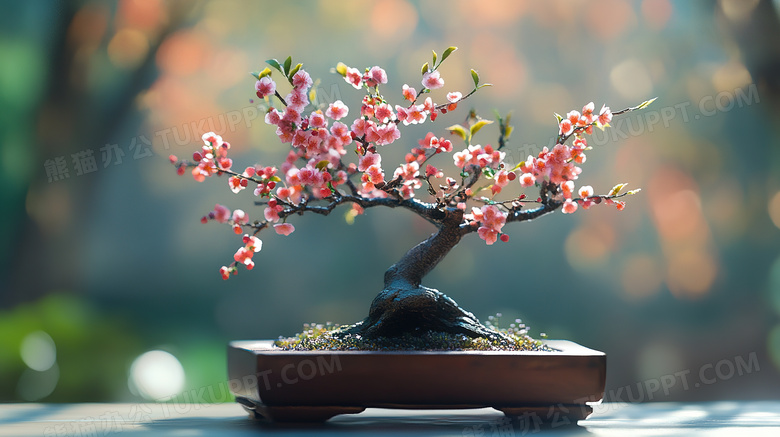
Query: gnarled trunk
x=405, y=306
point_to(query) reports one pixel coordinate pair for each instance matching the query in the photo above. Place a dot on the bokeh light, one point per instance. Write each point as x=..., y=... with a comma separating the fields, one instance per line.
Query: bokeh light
x=34, y=385
x=774, y=209
x=642, y=277
x=38, y=351
x=774, y=285
x=773, y=345
x=156, y=375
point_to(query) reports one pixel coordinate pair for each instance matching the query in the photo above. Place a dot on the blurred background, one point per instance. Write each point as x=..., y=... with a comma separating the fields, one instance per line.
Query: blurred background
x=110, y=288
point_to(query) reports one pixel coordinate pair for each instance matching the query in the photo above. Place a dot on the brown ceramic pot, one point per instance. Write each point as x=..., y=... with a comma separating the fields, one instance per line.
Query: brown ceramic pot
x=307, y=386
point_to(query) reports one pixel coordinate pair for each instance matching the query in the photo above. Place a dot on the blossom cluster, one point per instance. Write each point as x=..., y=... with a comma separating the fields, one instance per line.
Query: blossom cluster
x=317, y=168
x=490, y=220
x=211, y=159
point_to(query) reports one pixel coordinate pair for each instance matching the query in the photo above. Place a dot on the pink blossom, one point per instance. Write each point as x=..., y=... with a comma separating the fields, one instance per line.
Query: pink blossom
x=407, y=190
x=271, y=213
x=432, y=80
x=489, y=235
x=586, y=191
x=240, y=217
x=368, y=160
x=375, y=174
x=284, y=228
x=386, y=134
x=311, y=176
x=317, y=120
x=361, y=126
x=427, y=142
x=337, y=110
x=528, y=165
x=297, y=100
x=341, y=132
x=408, y=171
x=587, y=203
x=302, y=80
x=428, y=105
x=527, y=179
x=244, y=256
x=292, y=115
x=212, y=139
x=402, y=114
x=236, y=184
x=605, y=116
x=225, y=272
x=565, y=127
x=569, y=207
x=492, y=217
x=573, y=117
x=502, y=178
x=221, y=213
x=384, y=113
x=252, y=243
x=462, y=158
x=567, y=188
x=454, y=97
x=409, y=93
x=265, y=87
x=371, y=133
x=415, y=114
x=587, y=113
x=376, y=76
x=354, y=78
x=225, y=163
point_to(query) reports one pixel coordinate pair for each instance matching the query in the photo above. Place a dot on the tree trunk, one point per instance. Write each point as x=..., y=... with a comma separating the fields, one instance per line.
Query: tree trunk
x=404, y=306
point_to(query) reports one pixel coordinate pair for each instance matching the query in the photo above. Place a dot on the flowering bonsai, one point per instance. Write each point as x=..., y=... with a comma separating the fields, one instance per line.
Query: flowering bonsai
x=460, y=187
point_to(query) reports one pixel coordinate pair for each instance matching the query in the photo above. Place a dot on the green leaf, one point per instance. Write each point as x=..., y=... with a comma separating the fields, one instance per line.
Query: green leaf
x=616, y=189
x=520, y=164
x=341, y=69
x=275, y=179
x=484, y=85
x=261, y=74
x=425, y=68
x=458, y=129
x=313, y=94
x=475, y=76
x=295, y=70
x=447, y=53
x=508, y=131
x=435, y=56
x=274, y=63
x=646, y=103
x=632, y=192
x=287, y=63
x=322, y=164
x=488, y=172
x=558, y=117
x=479, y=125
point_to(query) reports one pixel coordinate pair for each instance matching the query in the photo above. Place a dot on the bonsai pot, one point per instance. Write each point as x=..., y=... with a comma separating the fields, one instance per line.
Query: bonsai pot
x=311, y=386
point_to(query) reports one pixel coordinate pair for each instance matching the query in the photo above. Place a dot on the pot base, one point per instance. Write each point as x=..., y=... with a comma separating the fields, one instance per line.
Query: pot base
x=313, y=386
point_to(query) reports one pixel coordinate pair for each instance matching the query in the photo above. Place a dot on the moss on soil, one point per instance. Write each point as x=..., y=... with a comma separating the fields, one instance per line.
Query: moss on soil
x=325, y=337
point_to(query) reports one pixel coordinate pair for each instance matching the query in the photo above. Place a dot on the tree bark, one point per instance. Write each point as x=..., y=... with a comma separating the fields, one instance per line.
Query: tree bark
x=406, y=307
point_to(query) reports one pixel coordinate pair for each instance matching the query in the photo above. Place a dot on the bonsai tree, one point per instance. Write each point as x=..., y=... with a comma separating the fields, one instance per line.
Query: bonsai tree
x=336, y=159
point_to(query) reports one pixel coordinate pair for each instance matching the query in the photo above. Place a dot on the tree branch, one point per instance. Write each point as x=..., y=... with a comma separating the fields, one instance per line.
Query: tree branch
x=425, y=210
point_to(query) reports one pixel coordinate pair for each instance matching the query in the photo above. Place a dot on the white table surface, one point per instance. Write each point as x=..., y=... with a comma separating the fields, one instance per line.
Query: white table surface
x=739, y=418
